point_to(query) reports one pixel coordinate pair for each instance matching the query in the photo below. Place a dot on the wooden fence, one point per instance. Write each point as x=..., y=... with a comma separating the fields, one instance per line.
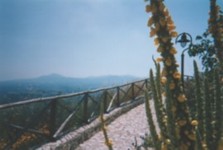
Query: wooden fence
x=33, y=122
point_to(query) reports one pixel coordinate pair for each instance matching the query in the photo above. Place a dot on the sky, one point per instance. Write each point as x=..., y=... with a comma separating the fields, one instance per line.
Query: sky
x=82, y=38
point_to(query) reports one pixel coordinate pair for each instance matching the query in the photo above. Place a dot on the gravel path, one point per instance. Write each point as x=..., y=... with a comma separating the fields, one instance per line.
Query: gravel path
x=122, y=131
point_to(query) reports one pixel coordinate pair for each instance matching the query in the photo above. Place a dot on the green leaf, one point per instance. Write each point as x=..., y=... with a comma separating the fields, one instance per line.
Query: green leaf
x=199, y=37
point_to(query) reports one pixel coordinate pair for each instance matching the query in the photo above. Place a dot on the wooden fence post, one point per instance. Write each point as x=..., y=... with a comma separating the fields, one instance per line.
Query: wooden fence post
x=133, y=91
x=85, y=108
x=52, y=121
x=118, y=96
x=105, y=101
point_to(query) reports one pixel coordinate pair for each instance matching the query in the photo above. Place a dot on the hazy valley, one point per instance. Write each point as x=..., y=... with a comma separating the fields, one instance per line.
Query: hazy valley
x=54, y=84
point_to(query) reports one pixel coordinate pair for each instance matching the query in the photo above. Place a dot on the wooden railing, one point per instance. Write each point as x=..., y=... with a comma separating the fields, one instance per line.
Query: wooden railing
x=33, y=122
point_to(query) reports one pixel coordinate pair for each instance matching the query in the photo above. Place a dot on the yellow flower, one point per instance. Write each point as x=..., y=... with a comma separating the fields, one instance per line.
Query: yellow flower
x=181, y=98
x=166, y=12
x=177, y=75
x=160, y=136
x=183, y=147
x=160, y=49
x=181, y=122
x=164, y=146
x=192, y=136
x=108, y=143
x=168, y=62
x=167, y=141
x=150, y=21
x=164, y=121
x=194, y=122
x=164, y=94
x=171, y=27
x=172, y=86
x=173, y=51
x=186, y=132
x=163, y=80
x=148, y=8
x=156, y=41
x=165, y=39
x=169, y=20
x=173, y=109
x=204, y=145
x=157, y=26
x=158, y=60
x=161, y=7
x=220, y=144
x=152, y=32
x=153, y=9
x=164, y=73
x=173, y=34
x=162, y=22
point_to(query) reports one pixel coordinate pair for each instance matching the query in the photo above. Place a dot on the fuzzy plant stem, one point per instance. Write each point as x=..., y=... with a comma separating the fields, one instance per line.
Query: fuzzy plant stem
x=155, y=139
x=208, y=130
x=156, y=92
x=218, y=111
x=108, y=142
x=199, y=108
x=159, y=91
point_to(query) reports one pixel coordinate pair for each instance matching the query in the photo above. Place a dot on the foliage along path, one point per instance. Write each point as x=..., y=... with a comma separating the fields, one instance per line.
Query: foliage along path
x=122, y=131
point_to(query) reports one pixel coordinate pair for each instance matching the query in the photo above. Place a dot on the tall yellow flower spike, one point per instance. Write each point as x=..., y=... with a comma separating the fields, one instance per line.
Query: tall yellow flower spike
x=165, y=31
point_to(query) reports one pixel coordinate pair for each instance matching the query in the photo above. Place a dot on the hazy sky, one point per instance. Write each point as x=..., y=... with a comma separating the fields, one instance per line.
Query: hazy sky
x=79, y=38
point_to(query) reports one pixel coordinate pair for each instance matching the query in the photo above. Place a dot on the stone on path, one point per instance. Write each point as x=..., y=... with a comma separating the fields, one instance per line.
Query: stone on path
x=122, y=131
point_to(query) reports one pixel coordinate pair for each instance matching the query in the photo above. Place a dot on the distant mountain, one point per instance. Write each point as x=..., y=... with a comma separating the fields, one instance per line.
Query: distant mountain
x=55, y=84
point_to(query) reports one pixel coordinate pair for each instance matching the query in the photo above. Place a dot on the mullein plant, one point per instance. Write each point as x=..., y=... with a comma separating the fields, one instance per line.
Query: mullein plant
x=209, y=111
x=216, y=29
x=155, y=137
x=108, y=142
x=199, y=111
x=178, y=130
